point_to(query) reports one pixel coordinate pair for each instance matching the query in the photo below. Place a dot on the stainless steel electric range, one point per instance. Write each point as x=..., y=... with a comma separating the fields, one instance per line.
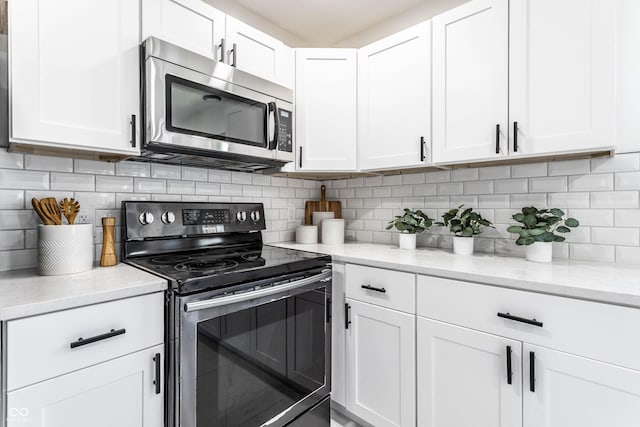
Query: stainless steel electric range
x=248, y=326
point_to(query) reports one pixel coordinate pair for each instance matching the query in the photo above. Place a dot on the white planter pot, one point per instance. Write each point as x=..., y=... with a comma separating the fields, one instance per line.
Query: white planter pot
x=407, y=241
x=463, y=245
x=540, y=252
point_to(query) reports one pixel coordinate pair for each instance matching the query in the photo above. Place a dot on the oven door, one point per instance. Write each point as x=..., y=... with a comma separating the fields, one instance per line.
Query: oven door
x=256, y=358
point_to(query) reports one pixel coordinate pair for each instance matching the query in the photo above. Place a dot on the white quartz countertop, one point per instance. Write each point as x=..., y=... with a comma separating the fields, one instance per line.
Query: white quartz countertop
x=24, y=293
x=611, y=283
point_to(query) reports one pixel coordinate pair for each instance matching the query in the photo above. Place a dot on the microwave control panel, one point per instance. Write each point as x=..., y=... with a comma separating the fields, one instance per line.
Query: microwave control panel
x=285, y=130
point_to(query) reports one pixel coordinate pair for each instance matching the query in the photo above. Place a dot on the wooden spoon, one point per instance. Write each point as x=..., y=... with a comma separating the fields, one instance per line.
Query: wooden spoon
x=70, y=209
x=43, y=216
x=51, y=209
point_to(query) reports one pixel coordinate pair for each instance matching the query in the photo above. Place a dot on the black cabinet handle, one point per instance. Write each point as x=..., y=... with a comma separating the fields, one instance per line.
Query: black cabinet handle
x=371, y=288
x=509, y=373
x=110, y=334
x=133, y=130
x=300, y=159
x=532, y=372
x=347, y=311
x=422, y=156
x=509, y=316
x=234, y=49
x=515, y=137
x=497, y=139
x=156, y=382
x=223, y=50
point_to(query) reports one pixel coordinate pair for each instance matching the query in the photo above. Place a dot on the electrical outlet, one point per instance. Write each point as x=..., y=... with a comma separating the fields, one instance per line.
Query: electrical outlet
x=86, y=216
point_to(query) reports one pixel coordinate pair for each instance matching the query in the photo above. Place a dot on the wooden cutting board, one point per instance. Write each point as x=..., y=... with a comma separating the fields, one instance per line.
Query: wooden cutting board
x=322, y=205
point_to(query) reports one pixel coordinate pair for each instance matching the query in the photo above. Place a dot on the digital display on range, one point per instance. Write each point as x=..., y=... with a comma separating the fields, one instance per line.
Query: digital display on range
x=205, y=216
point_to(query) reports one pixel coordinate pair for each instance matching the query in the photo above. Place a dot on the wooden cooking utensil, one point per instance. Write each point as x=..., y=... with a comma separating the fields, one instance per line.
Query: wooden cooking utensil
x=50, y=207
x=70, y=209
x=108, y=255
x=322, y=205
x=43, y=216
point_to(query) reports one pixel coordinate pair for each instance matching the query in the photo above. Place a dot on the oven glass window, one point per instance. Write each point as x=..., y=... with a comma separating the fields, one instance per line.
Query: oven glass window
x=255, y=363
x=200, y=110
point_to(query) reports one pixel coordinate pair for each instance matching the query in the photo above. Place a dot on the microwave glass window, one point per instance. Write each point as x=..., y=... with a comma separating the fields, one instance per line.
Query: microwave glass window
x=201, y=110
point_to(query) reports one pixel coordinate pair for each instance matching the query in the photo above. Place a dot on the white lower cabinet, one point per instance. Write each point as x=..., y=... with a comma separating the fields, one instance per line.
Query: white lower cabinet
x=120, y=392
x=464, y=379
x=380, y=365
x=575, y=391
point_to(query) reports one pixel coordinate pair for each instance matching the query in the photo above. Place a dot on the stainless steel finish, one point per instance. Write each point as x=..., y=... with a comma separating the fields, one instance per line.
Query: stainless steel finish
x=325, y=276
x=146, y=218
x=255, y=216
x=161, y=145
x=168, y=217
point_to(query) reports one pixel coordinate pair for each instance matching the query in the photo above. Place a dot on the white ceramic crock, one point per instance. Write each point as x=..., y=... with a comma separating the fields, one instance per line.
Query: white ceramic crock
x=307, y=234
x=540, y=252
x=407, y=241
x=317, y=218
x=463, y=245
x=65, y=249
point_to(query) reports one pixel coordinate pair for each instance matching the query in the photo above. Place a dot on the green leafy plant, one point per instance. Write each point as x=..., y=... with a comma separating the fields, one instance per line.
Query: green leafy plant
x=464, y=223
x=540, y=225
x=412, y=222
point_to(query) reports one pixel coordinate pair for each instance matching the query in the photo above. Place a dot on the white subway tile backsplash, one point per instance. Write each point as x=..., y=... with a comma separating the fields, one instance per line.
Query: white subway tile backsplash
x=568, y=200
x=628, y=181
x=439, y=176
x=401, y=190
x=72, y=182
x=41, y=194
x=593, y=217
x=392, y=180
x=414, y=178
x=18, y=219
x=198, y=174
x=529, y=170
x=628, y=255
x=511, y=186
x=615, y=199
x=371, y=202
x=570, y=167
x=19, y=259
x=253, y=191
x=121, y=197
x=627, y=218
x=222, y=176
x=413, y=202
x=425, y=190
x=355, y=203
x=618, y=163
x=96, y=200
x=181, y=187
x=11, y=240
x=587, y=252
x=436, y=201
x=94, y=167
x=521, y=200
x=149, y=185
x=234, y=190
x=381, y=191
x=12, y=199
x=615, y=236
x=138, y=169
x=346, y=193
x=30, y=239
x=478, y=187
x=117, y=184
x=448, y=189
x=208, y=188
x=548, y=184
x=354, y=182
x=494, y=201
x=194, y=198
x=161, y=171
x=11, y=160
x=494, y=172
x=363, y=192
x=595, y=182
x=372, y=181
x=45, y=163
x=23, y=180
x=166, y=197
x=464, y=174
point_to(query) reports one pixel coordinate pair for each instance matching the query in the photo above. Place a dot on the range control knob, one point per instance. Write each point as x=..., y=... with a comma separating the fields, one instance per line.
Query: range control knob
x=168, y=217
x=241, y=216
x=255, y=216
x=146, y=218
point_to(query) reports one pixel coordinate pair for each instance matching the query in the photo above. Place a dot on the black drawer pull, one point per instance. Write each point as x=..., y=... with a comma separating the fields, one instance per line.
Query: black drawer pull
x=533, y=322
x=532, y=372
x=110, y=334
x=497, y=139
x=156, y=382
x=347, y=312
x=371, y=288
x=509, y=372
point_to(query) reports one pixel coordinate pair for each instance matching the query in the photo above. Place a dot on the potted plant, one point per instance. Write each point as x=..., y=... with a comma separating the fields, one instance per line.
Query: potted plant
x=537, y=231
x=409, y=224
x=464, y=224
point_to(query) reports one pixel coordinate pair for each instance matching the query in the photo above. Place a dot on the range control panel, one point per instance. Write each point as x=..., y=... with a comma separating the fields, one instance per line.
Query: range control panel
x=145, y=220
x=285, y=130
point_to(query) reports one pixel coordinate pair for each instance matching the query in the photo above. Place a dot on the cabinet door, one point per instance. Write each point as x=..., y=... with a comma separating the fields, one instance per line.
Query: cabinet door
x=74, y=74
x=394, y=100
x=338, y=343
x=562, y=82
x=575, y=391
x=120, y=392
x=628, y=67
x=258, y=53
x=326, y=109
x=191, y=24
x=463, y=380
x=470, y=82
x=381, y=365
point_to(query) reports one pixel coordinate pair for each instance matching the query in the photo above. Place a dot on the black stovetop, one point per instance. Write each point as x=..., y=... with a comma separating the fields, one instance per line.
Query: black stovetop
x=193, y=271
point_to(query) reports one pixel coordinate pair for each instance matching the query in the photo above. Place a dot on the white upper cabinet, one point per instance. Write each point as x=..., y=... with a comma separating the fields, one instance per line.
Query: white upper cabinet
x=394, y=100
x=191, y=24
x=74, y=76
x=628, y=62
x=258, y=53
x=326, y=113
x=562, y=84
x=470, y=82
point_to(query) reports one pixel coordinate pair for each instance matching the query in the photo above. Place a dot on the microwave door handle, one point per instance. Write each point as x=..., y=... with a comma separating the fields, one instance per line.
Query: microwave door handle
x=273, y=143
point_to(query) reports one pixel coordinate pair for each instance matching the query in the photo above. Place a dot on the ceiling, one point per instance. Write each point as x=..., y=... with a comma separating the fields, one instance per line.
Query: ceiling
x=327, y=22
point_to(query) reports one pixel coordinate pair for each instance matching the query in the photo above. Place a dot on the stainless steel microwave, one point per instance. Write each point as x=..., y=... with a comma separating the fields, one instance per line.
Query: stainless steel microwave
x=202, y=112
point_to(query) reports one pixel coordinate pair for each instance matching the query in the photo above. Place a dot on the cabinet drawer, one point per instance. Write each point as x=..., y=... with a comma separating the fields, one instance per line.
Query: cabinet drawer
x=39, y=347
x=386, y=288
x=599, y=331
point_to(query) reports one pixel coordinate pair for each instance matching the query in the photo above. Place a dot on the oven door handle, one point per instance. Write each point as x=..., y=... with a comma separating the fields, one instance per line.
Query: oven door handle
x=325, y=276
